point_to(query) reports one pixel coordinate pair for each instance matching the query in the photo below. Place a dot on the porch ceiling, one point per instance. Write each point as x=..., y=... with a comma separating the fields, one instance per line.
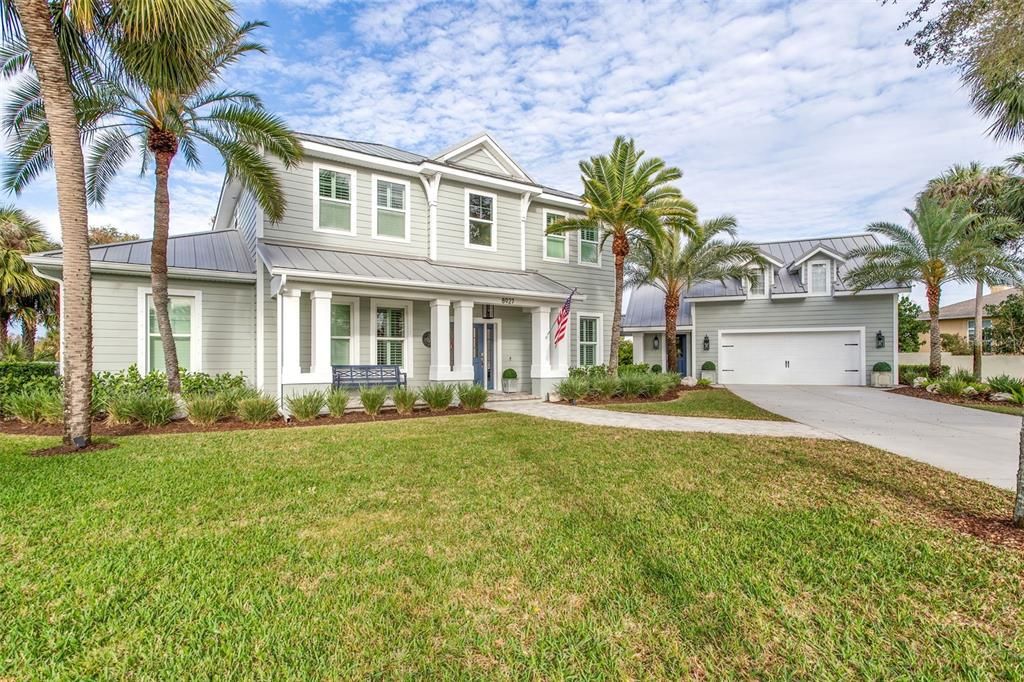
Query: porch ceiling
x=368, y=268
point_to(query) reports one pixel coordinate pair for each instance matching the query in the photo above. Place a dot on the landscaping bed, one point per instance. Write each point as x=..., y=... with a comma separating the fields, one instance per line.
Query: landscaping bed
x=980, y=401
x=673, y=394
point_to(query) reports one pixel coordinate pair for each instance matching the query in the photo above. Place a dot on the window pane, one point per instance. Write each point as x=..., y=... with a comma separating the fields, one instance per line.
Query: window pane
x=182, y=345
x=335, y=185
x=588, y=252
x=588, y=355
x=181, y=315
x=480, y=233
x=556, y=247
x=818, y=278
x=390, y=322
x=341, y=320
x=340, y=351
x=335, y=216
x=757, y=283
x=588, y=234
x=389, y=352
x=390, y=223
x=481, y=207
x=391, y=195
x=552, y=217
x=588, y=329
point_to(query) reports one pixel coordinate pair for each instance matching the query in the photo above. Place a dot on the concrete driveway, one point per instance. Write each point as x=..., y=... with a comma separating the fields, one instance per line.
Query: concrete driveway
x=973, y=443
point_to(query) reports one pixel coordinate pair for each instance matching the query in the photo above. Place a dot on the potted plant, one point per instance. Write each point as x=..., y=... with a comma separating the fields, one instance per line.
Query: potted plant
x=707, y=371
x=508, y=380
x=881, y=375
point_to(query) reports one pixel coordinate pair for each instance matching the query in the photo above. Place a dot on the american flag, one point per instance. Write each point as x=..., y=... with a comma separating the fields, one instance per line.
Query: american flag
x=562, y=321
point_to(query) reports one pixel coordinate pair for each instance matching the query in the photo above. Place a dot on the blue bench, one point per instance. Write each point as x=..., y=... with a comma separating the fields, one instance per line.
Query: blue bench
x=357, y=376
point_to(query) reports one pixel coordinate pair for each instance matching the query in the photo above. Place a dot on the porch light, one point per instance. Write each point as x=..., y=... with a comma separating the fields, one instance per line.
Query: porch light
x=707, y=342
x=879, y=339
x=488, y=312
x=657, y=342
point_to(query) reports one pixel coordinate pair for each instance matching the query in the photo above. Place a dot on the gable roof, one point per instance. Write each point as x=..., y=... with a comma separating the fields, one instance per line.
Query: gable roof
x=483, y=142
x=814, y=251
x=965, y=309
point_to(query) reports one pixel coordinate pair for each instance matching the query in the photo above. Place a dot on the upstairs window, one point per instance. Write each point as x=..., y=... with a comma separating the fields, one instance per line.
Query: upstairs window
x=480, y=232
x=391, y=214
x=758, y=287
x=555, y=245
x=335, y=207
x=819, y=279
x=590, y=248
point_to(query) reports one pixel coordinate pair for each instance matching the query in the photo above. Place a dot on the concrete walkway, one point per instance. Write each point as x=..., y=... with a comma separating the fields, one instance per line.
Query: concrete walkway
x=656, y=422
x=973, y=443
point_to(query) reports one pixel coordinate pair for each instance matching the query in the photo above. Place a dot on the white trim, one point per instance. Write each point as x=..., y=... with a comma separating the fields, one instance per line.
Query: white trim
x=409, y=350
x=544, y=236
x=336, y=153
x=815, y=251
x=494, y=220
x=354, y=328
x=599, y=344
x=636, y=330
x=794, y=295
x=131, y=268
x=798, y=330
x=260, y=348
x=579, y=249
x=713, y=299
x=638, y=347
x=524, y=213
x=430, y=187
x=195, y=333
x=693, y=340
x=896, y=339
x=561, y=201
x=771, y=259
x=480, y=178
x=809, y=281
x=353, y=193
x=486, y=142
x=500, y=366
x=869, y=292
x=766, y=273
x=374, y=179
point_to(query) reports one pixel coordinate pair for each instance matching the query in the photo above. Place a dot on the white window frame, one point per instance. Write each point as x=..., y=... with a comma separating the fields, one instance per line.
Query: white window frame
x=599, y=344
x=407, y=352
x=374, y=207
x=579, y=249
x=765, y=273
x=544, y=241
x=353, y=343
x=810, y=278
x=196, y=335
x=317, y=167
x=494, y=220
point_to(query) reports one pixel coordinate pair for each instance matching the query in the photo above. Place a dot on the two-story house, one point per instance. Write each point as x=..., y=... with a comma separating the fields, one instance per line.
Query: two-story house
x=438, y=264
x=795, y=320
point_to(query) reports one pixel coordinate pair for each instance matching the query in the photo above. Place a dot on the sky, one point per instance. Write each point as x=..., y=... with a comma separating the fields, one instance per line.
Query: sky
x=803, y=119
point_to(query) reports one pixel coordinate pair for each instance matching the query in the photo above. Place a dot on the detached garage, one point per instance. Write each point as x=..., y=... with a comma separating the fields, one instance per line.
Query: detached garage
x=821, y=356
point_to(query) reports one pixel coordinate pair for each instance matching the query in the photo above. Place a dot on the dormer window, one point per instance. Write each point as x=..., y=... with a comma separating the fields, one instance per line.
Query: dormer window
x=819, y=279
x=757, y=283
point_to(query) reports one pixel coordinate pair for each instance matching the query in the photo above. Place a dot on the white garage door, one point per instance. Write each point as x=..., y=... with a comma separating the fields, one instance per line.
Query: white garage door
x=791, y=357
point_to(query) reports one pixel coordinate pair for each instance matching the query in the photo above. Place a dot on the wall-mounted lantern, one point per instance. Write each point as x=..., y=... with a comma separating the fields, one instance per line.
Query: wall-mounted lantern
x=707, y=342
x=657, y=342
x=488, y=311
x=879, y=339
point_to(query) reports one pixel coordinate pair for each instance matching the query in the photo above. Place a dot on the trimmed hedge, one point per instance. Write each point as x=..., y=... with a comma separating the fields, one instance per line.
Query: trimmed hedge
x=882, y=367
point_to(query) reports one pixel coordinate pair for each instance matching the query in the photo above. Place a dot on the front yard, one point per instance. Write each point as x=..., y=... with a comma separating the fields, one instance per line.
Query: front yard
x=498, y=545
x=710, y=402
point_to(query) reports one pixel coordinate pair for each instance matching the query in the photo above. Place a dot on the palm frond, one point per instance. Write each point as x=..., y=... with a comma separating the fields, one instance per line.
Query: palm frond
x=111, y=150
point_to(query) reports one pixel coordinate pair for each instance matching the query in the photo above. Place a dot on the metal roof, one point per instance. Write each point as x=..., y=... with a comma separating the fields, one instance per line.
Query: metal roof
x=216, y=250
x=398, y=270
x=965, y=309
x=647, y=309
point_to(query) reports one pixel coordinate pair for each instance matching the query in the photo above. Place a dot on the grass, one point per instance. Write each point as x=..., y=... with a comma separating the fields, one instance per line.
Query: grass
x=1001, y=408
x=496, y=546
x=717, y=402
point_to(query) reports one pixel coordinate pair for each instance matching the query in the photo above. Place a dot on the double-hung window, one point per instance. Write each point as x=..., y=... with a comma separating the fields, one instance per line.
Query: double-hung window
x=819, y=276
x=480, y=230
x=391, y=210
x=589, y=329
x=758, y=285
x=180, y=309
x=341, y=334
x=335, y=203
x=390, y=336
x=555, y=245
x=590, y=248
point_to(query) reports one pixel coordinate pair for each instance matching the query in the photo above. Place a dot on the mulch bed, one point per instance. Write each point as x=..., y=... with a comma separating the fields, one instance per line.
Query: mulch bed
x=671, y=395
x=101, y=428
x=951, y=400
x=994, y=530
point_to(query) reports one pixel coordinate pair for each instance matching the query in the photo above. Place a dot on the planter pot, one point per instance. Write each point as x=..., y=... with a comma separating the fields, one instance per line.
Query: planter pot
x=709, y=374
x=881, y=379
x=509, y=385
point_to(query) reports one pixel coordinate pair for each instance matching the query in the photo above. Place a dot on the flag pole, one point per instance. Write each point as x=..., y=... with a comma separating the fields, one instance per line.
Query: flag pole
x=568, y=300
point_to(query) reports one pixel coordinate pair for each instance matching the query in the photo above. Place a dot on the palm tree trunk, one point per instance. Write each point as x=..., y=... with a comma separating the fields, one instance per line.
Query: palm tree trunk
x=29, y=328
x=671, y=349
x=979, y=332
x=620, y=249
x=935, y=340
x=5, y=320
x=1018, y=506
x=164, y=151
x=69, y=165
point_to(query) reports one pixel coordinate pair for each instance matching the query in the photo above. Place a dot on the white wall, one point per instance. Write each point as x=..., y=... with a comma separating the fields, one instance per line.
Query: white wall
x=991, y=365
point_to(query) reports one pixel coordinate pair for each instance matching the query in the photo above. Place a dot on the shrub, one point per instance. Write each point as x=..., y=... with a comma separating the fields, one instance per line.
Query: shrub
x=604, y=387
x=509, y=374
x=965, y=375
x=704, y=382
x=405, y=399
x=591, y=372
x=230, y=397
x=149, y=409
x=306, y=406
x=438, y=396
x=910, y=372
x=882, y=367
x=632, y=385
x=35, y=405
x=572, y=388
x=16, y=377
x=656, y=369
x=953, y=386
x=642, y=368
x=708, y=366
x=195, y=383
x=373, y=399
x=658, y=385
x=472, y=396
x=1017, y=395
x=204, y=410
x=1004, y=383
x=257, y=409
x=337, y=402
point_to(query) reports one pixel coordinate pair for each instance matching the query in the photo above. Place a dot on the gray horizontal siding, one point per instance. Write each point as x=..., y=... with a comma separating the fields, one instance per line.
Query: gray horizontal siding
x=451, y=228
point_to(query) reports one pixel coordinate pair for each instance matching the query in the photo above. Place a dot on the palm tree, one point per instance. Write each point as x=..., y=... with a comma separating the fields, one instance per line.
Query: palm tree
x=20, y=234
x=627, y=199
x=986, y=191
x=126, y=115
x=936, y=249
x=692, y=252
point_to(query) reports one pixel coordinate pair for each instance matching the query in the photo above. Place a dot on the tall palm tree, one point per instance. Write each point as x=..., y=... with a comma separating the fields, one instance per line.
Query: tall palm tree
x=986, y=190
x=126, y=115
x=627, y=199
x=20, y=234
x=935, y=249
x=692, y=252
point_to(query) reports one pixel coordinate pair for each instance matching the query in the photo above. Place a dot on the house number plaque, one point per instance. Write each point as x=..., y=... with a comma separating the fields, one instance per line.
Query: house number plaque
x=507, y=300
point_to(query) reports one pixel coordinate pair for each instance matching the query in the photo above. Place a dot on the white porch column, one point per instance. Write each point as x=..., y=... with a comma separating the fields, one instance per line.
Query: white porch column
x=440, y=324
x=321, y=335
x=638, y=349
x=290, y=367
x=463, y=368
x=540, y=320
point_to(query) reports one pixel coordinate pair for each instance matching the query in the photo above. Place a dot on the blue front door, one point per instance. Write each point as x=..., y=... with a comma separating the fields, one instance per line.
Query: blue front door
x=681, y=345
x=483, y=354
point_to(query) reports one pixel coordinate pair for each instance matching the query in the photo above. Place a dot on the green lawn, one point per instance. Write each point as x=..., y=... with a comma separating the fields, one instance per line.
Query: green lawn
x=1001, y=408
x=717, y=402
x=496, y=546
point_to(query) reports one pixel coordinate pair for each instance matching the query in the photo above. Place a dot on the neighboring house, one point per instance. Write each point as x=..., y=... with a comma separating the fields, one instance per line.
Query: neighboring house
x=795, y=321
x=438, y=264
x=958, y=318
